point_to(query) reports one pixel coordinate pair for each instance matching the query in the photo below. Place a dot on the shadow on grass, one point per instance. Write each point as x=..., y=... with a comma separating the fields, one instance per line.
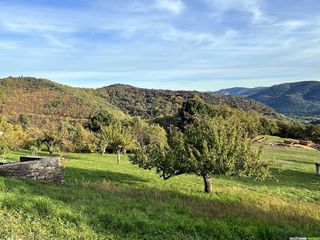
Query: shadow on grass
x=311, y=162
x=104, y=203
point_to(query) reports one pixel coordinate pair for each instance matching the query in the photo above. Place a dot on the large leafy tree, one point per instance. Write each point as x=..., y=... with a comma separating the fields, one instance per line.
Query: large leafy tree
x=250, y=120
x=206, y=146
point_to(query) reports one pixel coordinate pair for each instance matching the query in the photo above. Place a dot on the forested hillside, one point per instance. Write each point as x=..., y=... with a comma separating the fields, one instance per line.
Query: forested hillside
x=300, y=99
x=41, y=101
x=150, y=103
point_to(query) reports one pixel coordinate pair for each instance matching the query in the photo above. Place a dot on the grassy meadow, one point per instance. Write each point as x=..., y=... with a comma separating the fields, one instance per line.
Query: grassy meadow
x=105, y=200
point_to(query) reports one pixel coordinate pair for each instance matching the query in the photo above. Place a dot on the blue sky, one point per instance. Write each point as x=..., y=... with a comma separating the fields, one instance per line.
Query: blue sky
x=171, y=44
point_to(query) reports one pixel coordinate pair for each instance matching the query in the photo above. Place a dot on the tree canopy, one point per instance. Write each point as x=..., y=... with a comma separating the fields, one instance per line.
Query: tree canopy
x=207, y=146
x=100, y=119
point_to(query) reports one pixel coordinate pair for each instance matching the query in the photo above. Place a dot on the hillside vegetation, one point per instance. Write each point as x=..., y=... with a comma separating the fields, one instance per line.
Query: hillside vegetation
x=300, y=99
x=45, y=101
x=105, y=200
x=150, y=103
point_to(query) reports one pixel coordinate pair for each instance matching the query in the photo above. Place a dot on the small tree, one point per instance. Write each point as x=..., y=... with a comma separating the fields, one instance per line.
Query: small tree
x=51, y=140
x=11, y=136
x=4, y=148
x=83, y=140
x=99, y=120
x=67, y=133
x=104, y=139
x=34, y=140
x=117, y=137
x=207, y=146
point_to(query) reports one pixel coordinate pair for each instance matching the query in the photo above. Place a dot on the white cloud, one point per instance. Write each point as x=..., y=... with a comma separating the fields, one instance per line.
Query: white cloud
x=293, y=24
x=173, y=6
x=252, y=7
x=26, y=26
x=8, y=45
x=56, y=41
x=174, y=34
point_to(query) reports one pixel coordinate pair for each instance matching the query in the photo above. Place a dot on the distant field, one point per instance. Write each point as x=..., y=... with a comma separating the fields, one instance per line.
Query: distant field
x=105, y=200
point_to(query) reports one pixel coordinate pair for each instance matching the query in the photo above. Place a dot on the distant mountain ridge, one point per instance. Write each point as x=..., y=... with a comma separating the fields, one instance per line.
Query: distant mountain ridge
x=298, y=99
x=240, y=91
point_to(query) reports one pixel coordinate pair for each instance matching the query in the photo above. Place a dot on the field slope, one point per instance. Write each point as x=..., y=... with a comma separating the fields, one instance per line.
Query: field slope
x=105, y=200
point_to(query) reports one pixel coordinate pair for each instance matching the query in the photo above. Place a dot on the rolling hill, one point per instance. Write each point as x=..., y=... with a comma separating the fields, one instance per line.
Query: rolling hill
x=299, y=99
x=150, y=103
x=45, y=101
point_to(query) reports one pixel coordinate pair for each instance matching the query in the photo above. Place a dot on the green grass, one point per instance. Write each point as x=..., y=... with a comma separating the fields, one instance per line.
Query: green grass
x=273, y=138
x=105, y=200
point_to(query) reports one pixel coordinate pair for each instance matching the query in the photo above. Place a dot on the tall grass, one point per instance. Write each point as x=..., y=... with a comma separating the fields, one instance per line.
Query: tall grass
x=105, y=200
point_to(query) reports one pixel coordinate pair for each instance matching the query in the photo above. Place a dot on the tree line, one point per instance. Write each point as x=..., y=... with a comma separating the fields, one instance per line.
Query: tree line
x=201, y=139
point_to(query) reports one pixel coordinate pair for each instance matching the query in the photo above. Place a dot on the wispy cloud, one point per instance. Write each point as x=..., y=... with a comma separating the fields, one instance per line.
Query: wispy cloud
x=253, y=7
x=173, y=6
x=8, y=45
x=293, y=24
x=173, y=34
x=56, y=41
x=168, y=43
x=201, y=38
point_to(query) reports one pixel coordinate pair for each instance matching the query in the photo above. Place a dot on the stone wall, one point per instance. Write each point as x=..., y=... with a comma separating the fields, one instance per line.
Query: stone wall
x=46, y=169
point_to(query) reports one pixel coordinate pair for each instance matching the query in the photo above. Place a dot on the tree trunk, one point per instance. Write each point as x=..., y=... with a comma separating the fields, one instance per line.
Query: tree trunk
x=207, y=183
x=51, y=148
x=103, y=151
x=118, y=156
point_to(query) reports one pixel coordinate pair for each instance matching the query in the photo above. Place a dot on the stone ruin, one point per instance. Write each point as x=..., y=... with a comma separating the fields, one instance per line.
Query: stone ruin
x=46, y=169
